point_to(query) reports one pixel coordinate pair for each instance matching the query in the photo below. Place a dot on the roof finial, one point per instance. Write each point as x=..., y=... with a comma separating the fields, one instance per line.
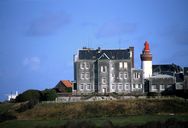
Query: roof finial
x=146, y=46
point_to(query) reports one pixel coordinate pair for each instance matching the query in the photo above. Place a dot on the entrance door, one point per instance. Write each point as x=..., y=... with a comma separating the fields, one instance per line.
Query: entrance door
x=104, y=90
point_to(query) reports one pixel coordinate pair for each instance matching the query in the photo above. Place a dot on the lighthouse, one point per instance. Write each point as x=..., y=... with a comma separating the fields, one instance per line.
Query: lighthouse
x=146, y=61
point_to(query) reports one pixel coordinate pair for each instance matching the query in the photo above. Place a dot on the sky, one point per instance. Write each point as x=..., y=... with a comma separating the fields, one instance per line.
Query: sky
x=38, y=38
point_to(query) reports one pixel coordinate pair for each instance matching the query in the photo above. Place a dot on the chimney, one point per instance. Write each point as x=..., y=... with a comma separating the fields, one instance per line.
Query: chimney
x=132, y=56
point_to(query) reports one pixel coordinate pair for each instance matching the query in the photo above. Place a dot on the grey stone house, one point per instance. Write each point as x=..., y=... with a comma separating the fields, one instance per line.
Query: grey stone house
x=161, y=83
x=107, y=71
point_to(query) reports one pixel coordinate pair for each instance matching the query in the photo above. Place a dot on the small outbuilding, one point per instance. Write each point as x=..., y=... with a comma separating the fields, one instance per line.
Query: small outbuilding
x=64, y=86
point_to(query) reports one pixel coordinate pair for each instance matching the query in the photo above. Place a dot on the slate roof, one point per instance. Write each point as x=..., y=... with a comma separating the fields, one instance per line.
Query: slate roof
x=115, y=54
x=179, y=77
x=168, y=69
x=162, y=79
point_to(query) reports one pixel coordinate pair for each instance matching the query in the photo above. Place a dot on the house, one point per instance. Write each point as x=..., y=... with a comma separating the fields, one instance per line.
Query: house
x=107, y=71
x=162, y=83
x=63, y=86
x=12, y=96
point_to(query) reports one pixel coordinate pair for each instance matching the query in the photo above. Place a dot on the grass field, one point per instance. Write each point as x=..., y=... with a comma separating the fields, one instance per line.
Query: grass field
x=119, y=113
x=117, y=121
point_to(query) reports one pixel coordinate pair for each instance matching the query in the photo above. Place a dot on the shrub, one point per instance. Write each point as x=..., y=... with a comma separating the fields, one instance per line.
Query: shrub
x=49, y=95
x=7, y=116
x=29, y=95
x=27, y=105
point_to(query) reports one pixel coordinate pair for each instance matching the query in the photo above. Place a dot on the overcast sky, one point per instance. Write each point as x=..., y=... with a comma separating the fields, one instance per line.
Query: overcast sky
x=39, y=37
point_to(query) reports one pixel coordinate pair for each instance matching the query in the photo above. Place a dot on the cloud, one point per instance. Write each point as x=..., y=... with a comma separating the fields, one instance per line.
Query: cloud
x=115, y=28
x=33, y=63
x=48, y=24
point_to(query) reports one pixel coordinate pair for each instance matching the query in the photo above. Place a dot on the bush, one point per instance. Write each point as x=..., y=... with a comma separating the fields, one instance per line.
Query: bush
x=152, y=94
x=7, y=116
x=29, y=95
x=27, y=105
x=49, y=95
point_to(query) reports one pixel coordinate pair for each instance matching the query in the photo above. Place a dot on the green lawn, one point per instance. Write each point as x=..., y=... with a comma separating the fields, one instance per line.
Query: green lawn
x=120, y=121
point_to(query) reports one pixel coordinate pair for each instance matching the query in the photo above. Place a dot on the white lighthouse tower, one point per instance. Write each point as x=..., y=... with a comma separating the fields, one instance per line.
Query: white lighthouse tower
x=146, y=61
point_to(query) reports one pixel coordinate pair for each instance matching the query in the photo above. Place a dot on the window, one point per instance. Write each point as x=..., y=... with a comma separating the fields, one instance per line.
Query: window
x=103, y=69
x=139, y=85
x=127, y=86
x=104, y=81
x=88, y=86
x=154, y=87
x=134, y=86
x=169, y=86
x=81, y=87
x=82, y=75
x=87, y=65
x=112, y=67
x=136, y=75
x=112, y=75
x=82, y=65
x=87, y=75
x=120, y=75
x=120, y=87
x=125, y=65
x=162, y=87
x=120, y=65
x=113, y=86
x=125, y=75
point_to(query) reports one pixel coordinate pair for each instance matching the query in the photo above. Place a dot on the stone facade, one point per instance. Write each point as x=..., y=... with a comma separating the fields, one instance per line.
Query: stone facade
x=107, y=71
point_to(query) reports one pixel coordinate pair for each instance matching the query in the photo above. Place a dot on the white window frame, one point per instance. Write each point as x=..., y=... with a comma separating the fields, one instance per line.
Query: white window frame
x=120, y=75
x=113, y=87
x=136, y=75
x=125, y=75
x=152, y=87
x=103, y=80
x=120, y=65
x=120, y=87
x=88, y=86
x=82, y=65
x=103, y=69
x=134, y=86
x=139, y=85
x=126, y=86
x=81, y=86
x=162, y=87
x=82, y=76
x=87, y=66
x=125, y=65
x=87, y=75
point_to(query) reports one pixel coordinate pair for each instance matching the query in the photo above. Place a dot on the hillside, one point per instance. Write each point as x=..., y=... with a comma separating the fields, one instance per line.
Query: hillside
x=158, y=109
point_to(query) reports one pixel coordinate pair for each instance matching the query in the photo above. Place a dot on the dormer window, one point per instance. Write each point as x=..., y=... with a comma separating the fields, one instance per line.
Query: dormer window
x=103, y=69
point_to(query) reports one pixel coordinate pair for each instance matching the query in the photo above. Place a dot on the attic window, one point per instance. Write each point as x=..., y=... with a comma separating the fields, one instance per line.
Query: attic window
x=120, y=64
x=125, y=65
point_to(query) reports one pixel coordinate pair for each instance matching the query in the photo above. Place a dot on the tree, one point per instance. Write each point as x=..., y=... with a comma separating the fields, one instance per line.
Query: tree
x=29, y=95
x=49, y=95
